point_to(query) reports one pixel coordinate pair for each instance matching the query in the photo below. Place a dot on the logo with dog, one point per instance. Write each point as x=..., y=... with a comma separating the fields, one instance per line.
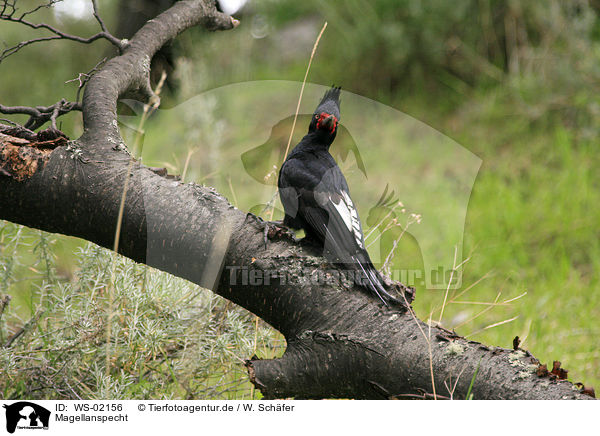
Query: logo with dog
x=26, y=415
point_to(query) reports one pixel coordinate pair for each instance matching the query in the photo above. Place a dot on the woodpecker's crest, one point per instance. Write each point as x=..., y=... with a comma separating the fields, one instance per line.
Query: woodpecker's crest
x=327, y=115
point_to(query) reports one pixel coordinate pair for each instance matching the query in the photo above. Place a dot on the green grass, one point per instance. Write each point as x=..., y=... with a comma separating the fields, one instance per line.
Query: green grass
x=533, y=224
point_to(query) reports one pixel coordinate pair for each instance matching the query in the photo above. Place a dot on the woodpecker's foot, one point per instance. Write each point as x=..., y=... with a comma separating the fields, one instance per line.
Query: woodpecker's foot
x=276, y=229
x=404, y=294
x=395, y=301
x=382, y=295
x=392, y=301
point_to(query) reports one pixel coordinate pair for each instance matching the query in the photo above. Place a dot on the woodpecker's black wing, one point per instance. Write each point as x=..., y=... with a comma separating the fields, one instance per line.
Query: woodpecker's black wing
x=315, y=195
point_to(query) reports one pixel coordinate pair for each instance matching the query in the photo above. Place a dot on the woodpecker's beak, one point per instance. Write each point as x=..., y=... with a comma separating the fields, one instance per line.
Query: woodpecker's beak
x=328, y=123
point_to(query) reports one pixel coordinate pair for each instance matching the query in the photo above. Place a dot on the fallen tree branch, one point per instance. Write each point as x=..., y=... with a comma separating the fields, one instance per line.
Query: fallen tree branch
x=342, y=343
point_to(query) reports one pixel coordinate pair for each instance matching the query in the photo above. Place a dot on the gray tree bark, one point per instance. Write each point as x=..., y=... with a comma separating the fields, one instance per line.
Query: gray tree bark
x=342, y=343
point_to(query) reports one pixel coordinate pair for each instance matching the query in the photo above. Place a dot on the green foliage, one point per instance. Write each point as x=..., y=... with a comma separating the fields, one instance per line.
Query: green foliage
x=169, y=338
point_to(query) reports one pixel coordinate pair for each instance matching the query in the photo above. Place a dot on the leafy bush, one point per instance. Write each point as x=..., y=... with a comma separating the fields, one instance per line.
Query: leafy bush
x=167, y=339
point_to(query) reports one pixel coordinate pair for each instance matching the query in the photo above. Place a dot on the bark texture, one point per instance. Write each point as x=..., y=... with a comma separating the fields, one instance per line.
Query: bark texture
x=342, y=343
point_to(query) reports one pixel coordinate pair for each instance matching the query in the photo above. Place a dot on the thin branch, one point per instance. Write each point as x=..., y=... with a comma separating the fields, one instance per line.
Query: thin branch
x=25, y=110
x=6, y=5
x=40, y=115
x=12, y=50
x=54, y=116
x=58, y=34
x=83, y=78
x=46, y=5
x=98, y=18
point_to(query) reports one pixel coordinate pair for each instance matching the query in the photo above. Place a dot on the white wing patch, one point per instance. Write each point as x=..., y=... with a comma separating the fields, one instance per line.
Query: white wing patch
x=349, y=214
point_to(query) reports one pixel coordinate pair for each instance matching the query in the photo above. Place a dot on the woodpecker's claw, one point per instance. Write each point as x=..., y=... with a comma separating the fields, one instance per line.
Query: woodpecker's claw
x=274, y=225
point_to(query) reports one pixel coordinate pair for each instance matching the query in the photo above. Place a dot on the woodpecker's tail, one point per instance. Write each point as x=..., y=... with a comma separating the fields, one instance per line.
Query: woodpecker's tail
x=371, y=280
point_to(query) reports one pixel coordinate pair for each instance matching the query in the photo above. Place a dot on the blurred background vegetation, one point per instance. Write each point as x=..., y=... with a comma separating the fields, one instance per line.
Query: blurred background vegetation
x=517, y=83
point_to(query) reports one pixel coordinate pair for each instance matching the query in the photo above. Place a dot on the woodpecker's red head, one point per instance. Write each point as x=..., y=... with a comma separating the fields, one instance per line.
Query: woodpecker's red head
x=327, y=115
x=326, y=122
